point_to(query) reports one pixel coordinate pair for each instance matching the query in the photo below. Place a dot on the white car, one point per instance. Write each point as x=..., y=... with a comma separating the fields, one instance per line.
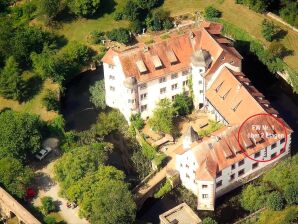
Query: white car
x=43, y=153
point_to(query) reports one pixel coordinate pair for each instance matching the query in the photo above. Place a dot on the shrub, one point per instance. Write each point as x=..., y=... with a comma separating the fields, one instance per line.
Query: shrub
x=118, y=16
x=136, y=26
x=141, y=163
x=49, y=220
x=167, y=24
x=275, y=201
x=209, y=220
x=291, y=194
x=97, y=37
x=121, y=35
x=98, y=94
x=47, y=205
x=159, y=160
x=165, y=188
x=50, y=100
x=137, y=121
x=277, y=49
x=269, y=30
x=210, y=12
x=148, y=150
x=183, y=104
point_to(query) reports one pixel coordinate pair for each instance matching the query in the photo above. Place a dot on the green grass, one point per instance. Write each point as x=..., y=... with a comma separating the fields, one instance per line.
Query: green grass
x=212, y=127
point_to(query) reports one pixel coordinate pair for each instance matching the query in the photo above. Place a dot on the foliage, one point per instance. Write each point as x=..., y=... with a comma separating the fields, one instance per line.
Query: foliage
x=14, y=176
x=51, y=101
x=209, y=220
x=141, y=163
x=149, y=4
x=97, y=37
x=163, y=190
x=12, y=86
x=291, y=194
x=49, y=220
x=20, y=134
x=159, y=20
x=289, y=12
x=84, y=8
x=98, y=94
x=256, y=5
x=269, y=30
x=275, y=201
x=147, y=150
x=136, y=26
x=277, y=49
x=183, y=104
x=253, y=197
x=163, y=117
x=184, y=195
x=159, y=160
x=137, y=121
x=132, y=10
x=210, y=13
x=287, y=216
x=121, y=35
x=47, y=205
x=49, y=9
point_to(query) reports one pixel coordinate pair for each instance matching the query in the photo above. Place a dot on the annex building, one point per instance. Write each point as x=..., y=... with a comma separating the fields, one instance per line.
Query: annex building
x=206, y=63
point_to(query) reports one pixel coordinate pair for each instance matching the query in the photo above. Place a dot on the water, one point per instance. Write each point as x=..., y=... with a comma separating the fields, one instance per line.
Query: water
x=79, y=113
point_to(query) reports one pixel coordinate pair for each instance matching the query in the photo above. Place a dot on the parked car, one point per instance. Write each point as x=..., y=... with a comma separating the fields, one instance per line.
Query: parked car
x=43, y=153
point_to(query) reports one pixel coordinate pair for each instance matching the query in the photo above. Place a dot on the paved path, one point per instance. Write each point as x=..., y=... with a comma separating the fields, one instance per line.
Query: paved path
x=48, y=187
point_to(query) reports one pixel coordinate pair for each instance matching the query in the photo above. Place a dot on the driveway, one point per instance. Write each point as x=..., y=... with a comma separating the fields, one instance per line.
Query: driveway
x=46, y=185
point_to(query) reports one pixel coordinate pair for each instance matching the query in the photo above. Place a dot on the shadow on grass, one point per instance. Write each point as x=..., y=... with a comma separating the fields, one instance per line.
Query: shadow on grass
x=32, y=88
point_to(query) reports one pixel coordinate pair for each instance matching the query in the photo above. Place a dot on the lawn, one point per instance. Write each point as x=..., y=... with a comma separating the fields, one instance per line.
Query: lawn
x=240, y=16
x=34, y=105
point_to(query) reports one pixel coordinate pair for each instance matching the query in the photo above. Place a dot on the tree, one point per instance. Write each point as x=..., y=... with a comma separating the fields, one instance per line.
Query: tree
x=269, y=30
x=50, y=220
x=183, y=104
x=291, y=194
x=163, y=116
x=84, y=8
x=209, y=220
x=98, y=94
x=50, y=100
x=14, y=176
x=132, y=10
x=210, y=12
x=254, y=197
x=49, y=9
x=137, y=121
x=159, y=20
x=121, y=35
x=12, y=86
x=47, y=205
x=141, y=163
x=277, y=49
x=149, y=4
x=275, y=201
x=20, y=134
x=289, y=13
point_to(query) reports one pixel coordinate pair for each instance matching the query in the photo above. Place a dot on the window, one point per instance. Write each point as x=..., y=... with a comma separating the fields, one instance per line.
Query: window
x=174, y=76
x=185, y=83
x=163, y=90
x=219, y=184
x=200, y=82
x=204, y=186
x=194, y=181
x=112, y=88
x=174, y=97
x=174, y=86
x=187, y=175
x=111, y=66
x=131, y=101
x=143, y=96
x=112, y=77
x=273, y=146
x=273, y=155
x=163, y=79
x=257, y=155
x=241, y=172
x=255, y=165
x=185, y=72
x=282, y=140
x=180, y=164
x=187, y=166
x=233, y=166
x=143, y=86
x=143, y=107
x=219, y=174
x=194, y=172
x=204, y=195
x=232, y=177
x=201, y=91
x=241, y=163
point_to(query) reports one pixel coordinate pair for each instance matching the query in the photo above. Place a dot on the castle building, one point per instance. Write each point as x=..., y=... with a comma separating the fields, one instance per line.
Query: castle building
x=206, y=63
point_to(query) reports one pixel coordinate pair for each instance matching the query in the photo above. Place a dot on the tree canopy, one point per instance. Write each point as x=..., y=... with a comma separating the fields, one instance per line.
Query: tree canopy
x=269, y=30
x=49, y=9
x=84, y=8
x=121, y=35
x=183, y=104
x=20, y=134
x=98, y=94
x=210, y=12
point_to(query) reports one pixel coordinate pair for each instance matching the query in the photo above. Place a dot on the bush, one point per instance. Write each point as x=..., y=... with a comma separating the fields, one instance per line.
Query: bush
x=47, y=205
x=183, y=104
x=98, y=97
x=137, y=121
x=118, y=16
x=269, y=30
x=209, y=220
x=159, y=160
x=97, y=37
x=275, y=201
x=141, y=163
x=136, y=26
x=148, y=150
x=50, y=100
x=291, y=194
x=210, y=13
x=121, y=35
x=165, y=188
x=49, y=220
x=277, y=49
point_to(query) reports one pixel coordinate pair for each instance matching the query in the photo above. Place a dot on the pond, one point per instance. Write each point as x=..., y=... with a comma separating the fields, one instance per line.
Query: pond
x=79, y=113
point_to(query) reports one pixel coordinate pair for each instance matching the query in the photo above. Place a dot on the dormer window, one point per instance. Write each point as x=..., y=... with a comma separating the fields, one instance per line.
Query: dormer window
x=156, y=61
x=237, y=105
x=226, y=94
x=232, y=62
x=218, y=87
